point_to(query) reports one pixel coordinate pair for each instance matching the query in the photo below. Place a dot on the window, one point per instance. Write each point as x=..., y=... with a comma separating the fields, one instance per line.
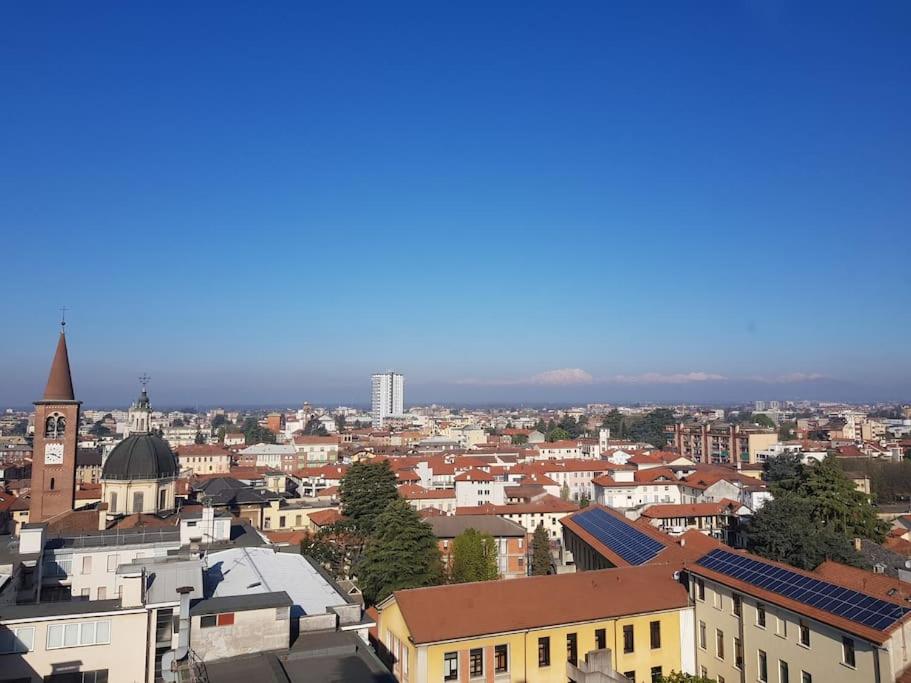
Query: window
x=656, y=674
x=84, y=593
x=451, y=666
x=281, y=522
x=112, y=563
x=719, y=643
x=805, y=677
x=716, y=599
x=760, y=615
x=738, y=653
x=847, y=651
x=476, y=662
x=500, y=659
x=804, y=634
x=702, y=634
x=163, y=499
x=629, y=643
x=600, y=638
x=544, y=651
x=16, y=640
x=654, y=632
x=86, y=564
x=102, y=593
x=700, y=589
x=737, y=604
x=572, y=649
x=78, y=634
x=113, y=501
x=630, y=675
x=783, y=675
x=763, y=674
x=138, y=501
x=226, y=619
x=98, y=676
x=52, y=483
x=781, y=627
x=207, y=620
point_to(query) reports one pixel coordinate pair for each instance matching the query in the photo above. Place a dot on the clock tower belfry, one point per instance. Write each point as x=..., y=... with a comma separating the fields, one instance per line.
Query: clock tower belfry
x=56, y=438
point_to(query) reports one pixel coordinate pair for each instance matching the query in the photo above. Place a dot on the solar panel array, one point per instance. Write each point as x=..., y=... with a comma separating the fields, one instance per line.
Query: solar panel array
x=843, y=602
x=621, y=537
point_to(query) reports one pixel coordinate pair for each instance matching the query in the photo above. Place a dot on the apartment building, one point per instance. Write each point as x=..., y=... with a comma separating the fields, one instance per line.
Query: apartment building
x=510, y=539
x=546, y=511
x=721, y=443
x=204, y=459
x=764, y=621
x=387, y=397
x=316, y=451
x=616, y=625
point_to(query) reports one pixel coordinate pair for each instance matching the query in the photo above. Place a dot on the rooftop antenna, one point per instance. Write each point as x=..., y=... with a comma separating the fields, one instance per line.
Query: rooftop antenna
x=63, y=310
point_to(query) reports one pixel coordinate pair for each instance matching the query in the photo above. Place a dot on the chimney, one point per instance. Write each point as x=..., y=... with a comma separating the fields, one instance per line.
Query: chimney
x=31, y=538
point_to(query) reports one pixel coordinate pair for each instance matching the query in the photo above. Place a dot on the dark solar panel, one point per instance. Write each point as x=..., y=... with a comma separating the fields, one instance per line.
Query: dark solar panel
x=621, y=537
x=843, y=602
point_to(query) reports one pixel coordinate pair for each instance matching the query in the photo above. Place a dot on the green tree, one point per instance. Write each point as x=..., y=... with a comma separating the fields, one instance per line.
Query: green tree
x=255, y=433
x=199, y=438
x=564, y=491
x=315, y=428
x=557, y=434
x=540, y=552
x=679, y=677
x=764, y=420
x=402, y=553
x=365, y=491
x=783, y=530
x=338, y=547
x=614, y=422
x=474, y=557
x=519, y=439
x=340, y=423
x=650, y=428
x=838, y=504
x=783, y=472
x=99, y=429
x=219, y=421
x=584, y=502
x=786, y=431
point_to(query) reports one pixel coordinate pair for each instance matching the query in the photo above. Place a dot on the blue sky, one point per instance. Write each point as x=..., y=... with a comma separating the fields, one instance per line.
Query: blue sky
x=522, y=201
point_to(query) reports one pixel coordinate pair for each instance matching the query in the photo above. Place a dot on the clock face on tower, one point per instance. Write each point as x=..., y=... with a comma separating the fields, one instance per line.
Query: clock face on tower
x=53, y=453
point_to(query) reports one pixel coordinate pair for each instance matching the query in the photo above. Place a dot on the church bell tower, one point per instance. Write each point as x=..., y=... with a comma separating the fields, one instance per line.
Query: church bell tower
x=56, y=438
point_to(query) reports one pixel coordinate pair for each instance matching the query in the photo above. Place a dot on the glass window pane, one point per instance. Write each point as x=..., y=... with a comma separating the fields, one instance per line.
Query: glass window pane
x=55, y=636
x=103, y=634
x=87, y=633
x=71, y=635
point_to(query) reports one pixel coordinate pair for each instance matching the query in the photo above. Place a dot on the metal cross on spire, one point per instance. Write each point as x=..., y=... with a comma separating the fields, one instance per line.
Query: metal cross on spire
x=63, y=310
x=144, y=380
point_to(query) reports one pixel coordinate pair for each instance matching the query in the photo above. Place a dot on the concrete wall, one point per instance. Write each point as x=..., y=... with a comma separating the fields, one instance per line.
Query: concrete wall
x=252, y=631
x=124, y=657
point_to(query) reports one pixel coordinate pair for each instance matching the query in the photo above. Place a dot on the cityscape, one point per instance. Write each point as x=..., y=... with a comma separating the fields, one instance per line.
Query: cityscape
x=456, y=343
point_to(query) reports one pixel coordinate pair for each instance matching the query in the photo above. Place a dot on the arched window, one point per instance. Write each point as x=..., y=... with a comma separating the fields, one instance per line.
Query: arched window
x=61, y=427
x=50, y=428
x=52, y=483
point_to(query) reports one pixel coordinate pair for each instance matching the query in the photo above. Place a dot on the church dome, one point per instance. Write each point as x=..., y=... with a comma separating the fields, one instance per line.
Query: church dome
x=141, y=456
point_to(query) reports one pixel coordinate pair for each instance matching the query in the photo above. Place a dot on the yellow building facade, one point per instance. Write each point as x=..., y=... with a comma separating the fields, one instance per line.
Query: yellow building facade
x=639, y=643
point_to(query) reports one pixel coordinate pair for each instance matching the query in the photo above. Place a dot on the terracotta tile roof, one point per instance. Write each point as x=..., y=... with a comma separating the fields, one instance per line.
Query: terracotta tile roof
x=546, y=504
x=474, y=475
x=565, y=444
x=326, y=517
x=650, y=475
x=60, y=381
x=286, y=537
x=415, y=492
x=689, y=509
x=406, y=475
x=202, y=449
x=326, y=471
x=469, y=610
x=609, y=482
x=315, y=440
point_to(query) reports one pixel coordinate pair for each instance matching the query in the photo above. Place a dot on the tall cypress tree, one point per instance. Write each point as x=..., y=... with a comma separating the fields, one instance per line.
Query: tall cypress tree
x=474, y=557
x=540, y=552
x=401, y=553
x=365, y=491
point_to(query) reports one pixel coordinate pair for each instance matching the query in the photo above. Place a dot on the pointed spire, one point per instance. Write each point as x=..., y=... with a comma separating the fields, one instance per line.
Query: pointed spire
x=60, y=381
